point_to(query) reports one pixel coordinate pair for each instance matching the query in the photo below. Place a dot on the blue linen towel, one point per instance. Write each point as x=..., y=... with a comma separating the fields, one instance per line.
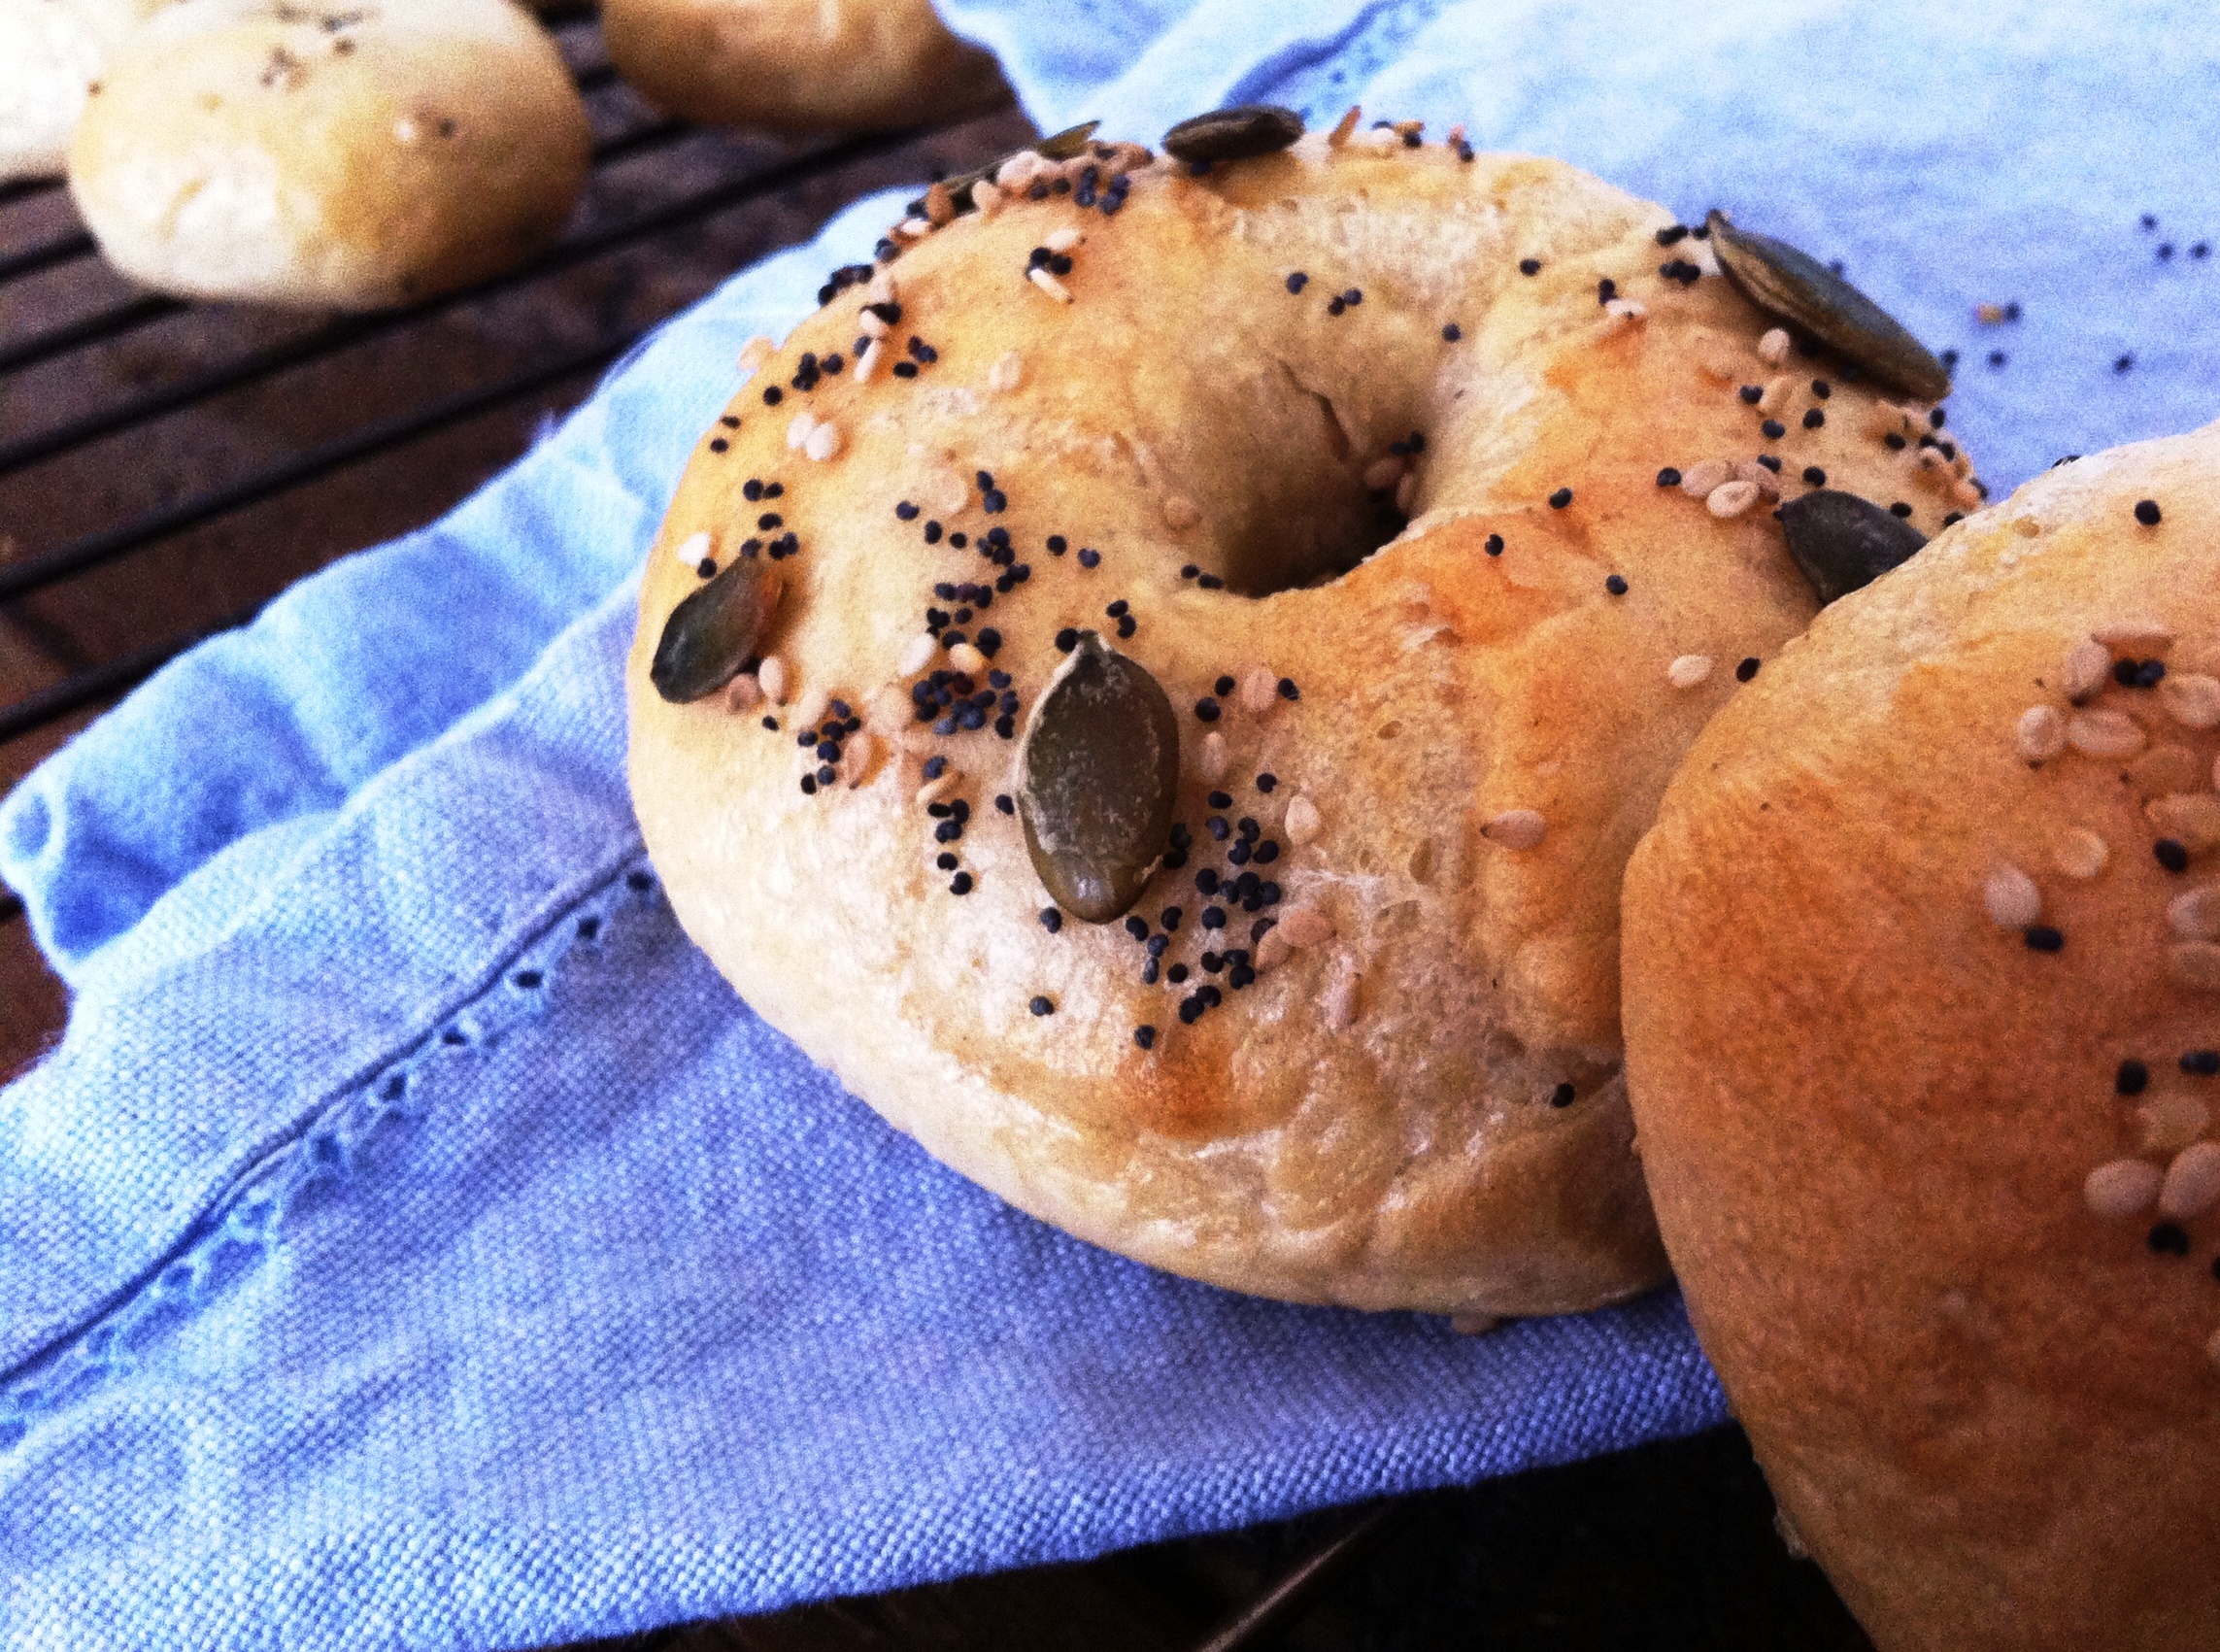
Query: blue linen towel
x=415, y=1244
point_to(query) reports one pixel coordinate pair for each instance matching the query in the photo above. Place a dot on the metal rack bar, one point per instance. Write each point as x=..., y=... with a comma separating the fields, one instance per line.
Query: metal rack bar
x=21, y=577
x=102, y=324
x=1291, y=1595
x=78, y=243
x=261, y=364
x=22, y=188
x=111, y=677
x=136, y=312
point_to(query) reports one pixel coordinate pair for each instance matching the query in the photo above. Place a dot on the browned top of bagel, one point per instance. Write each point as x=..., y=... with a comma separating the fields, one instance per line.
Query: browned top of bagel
x=1872, y=1102
x=1377, y=1119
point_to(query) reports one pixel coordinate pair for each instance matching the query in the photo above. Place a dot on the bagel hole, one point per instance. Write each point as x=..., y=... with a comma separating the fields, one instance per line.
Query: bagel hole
x=1307, y=519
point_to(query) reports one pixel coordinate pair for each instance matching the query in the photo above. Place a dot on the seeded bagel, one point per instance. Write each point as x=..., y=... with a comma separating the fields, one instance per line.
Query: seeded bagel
x=345, y=158
x=1387, y=514
x=800, y=65
x=1922, y=1007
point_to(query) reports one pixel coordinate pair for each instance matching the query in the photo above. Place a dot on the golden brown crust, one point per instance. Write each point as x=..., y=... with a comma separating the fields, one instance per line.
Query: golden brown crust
x=1372, y=1121
x=1869, y=1108
x=241, y=149
x=800, y=66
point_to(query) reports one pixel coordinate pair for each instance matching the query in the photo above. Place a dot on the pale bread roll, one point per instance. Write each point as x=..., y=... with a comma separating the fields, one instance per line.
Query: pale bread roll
x=1921, y=1014
x=50, y=52
x=1416, y=1102
x=800, y=66
x=334, y=158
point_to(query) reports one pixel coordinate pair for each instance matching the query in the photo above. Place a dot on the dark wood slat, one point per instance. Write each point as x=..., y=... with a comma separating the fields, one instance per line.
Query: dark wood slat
x=1289, y=1597
x=31, y=573
x=257, y=365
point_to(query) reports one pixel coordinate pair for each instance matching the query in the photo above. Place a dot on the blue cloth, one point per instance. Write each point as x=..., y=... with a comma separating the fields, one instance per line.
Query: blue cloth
x=414, y=1243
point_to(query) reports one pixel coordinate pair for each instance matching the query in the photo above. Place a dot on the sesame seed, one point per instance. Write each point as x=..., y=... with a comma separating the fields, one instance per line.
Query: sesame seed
x=1041, y=1005
x=2040, y=734
x=1145, y=1035
x=1287, y=690
x=1206, y=709
x=1774, y=430
x=2192, y=1185
x=1815, y=476
x=2080, y=854
x=2121, y=1189
x=2131, y=1077
x=1067, y=640
x=1732, y=498
x=1494, y=545
x=1689, y=670
x=1616, y=584
x=1051, y=919
x=2196, y=916
x=2011, y=899
x=2190, y=698
x=1561, y=498
x=1564, y=1096
x=1516, y=829
x=1451, y=334
x=2147, y=512
x=961, y=884
x=2172, y=855
x=2042, y=937
x=2165, y=1238
x=1746, y=670
x=1298, y=282
x=1529, y=266
x=1813, y=417
x=1774, y=346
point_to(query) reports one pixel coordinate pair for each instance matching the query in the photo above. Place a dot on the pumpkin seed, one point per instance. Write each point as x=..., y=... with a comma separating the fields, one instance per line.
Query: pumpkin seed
x=1097, y=774
x=1058, y=145
x=713, y=634
x=1843, y=543
x=1805, y=292
x=1234, y=134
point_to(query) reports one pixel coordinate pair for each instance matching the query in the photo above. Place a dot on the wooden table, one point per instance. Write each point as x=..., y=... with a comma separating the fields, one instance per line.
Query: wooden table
x=165, y=469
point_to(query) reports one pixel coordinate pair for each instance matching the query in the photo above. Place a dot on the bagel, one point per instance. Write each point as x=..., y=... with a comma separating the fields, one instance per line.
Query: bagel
x=50, y=52
x=1391, y=1077
x=348, y=159
x=800, y=65
x=1920, y=1000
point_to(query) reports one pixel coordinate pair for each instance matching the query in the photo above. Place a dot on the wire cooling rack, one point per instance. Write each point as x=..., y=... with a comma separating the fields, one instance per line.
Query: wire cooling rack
x=166, y=468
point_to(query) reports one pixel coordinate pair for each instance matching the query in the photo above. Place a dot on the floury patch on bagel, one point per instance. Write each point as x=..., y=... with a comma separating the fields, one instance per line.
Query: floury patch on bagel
x=1157, y=682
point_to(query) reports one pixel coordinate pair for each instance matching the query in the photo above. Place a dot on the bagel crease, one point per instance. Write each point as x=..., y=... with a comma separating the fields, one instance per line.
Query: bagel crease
x=1187, y=396
x=1921, y=980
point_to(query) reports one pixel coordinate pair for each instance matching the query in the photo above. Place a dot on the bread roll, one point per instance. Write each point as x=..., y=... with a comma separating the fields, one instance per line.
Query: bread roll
x=1921, y=1013
x=350, y=158
x=50, y=52
x=800, y=66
